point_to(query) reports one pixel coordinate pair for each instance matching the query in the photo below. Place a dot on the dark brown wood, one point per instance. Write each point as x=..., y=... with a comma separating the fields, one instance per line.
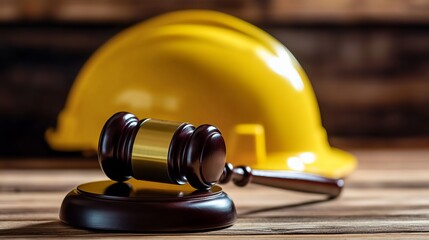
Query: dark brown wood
x=138, y=206
x=204, y=157
x=197, y=156
x=194, y=155
x=275, y=11
x=115, y=146
x=177, y=148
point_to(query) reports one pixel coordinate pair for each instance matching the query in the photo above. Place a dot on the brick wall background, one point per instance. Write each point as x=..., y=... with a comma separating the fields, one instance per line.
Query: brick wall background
x=368, y=61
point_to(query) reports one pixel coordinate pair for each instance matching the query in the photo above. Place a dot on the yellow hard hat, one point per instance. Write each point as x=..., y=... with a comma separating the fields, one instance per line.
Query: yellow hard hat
x=205, y=67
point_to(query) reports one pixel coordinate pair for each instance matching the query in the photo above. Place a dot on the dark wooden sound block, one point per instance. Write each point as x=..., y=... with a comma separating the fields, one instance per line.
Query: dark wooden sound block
x=139, y=206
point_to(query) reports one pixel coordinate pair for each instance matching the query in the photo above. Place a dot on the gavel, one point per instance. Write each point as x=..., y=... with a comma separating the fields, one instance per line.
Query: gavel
x=177, y=153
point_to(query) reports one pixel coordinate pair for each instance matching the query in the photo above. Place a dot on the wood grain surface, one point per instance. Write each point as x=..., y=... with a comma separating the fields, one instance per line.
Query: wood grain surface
x=387, y=197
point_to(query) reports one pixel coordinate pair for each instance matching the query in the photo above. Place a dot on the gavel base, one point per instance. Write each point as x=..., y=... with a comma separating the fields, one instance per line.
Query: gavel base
x=135, y=207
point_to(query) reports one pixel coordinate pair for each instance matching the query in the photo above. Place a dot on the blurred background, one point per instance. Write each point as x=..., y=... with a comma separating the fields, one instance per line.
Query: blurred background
x=368, y=61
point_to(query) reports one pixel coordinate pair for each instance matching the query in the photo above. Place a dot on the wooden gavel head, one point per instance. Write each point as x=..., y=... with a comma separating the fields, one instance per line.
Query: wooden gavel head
x=161, y=151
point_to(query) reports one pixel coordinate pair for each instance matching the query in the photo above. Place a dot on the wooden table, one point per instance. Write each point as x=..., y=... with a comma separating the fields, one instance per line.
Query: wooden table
x=387, y=197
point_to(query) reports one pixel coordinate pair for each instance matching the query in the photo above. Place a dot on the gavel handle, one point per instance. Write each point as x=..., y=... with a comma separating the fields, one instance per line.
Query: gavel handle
x=296, y=181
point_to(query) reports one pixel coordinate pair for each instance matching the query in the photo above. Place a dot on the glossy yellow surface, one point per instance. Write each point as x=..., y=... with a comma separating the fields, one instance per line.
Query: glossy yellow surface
x=205, y=67
x=149, y=156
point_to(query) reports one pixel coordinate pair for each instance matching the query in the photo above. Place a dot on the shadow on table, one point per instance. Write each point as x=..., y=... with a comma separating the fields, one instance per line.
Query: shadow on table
x=57, y=229
x=52, y=229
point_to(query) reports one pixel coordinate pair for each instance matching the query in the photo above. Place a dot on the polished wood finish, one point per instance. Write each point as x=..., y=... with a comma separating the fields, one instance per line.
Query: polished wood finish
x=114, y=153
x=196, y=155
x=187, y=154
x=139, y=206
x=386, y=198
